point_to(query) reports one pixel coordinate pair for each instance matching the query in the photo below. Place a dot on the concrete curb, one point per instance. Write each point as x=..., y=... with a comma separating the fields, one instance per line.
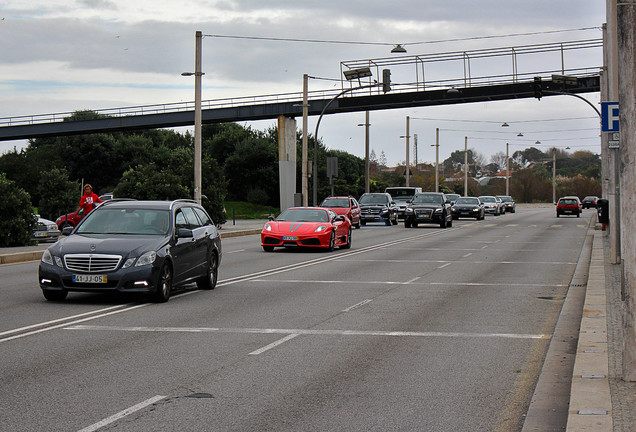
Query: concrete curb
x=590, y=398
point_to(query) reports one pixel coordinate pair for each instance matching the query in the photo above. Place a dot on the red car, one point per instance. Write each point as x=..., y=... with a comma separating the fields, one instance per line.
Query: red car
x=343, y=205
x=70, y=219
x=313, y=227
x=569, y=205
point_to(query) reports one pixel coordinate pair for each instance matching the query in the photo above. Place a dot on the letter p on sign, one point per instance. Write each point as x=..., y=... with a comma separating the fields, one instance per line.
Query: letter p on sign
x=609, y=117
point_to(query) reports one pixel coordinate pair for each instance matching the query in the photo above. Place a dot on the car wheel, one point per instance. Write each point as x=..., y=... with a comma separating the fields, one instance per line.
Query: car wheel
x=449, y=224
x=388, y=221
x=164, y=284
x=55, y=295
x=212, y=274
x=268, y=248
x=363, y=223
x=558, y=215
x=407, y=224
x=348, y=244
x=578, y=214
x=442, y=224
x=395, y=221
x=414, y=225
x=357, y=225
x=332, y=241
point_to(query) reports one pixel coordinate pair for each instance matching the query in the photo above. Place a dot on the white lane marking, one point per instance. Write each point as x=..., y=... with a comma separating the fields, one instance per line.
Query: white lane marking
x=122, y=414
x=484, y=246
x=386, y=260
x=231, y=252
x=357, y=305
x=274, y=344
x=21, y=329
x=315, y=332
x=343, y=282
x=467, y=255
x=72, y=322
x=411, y=280
x=444, y=265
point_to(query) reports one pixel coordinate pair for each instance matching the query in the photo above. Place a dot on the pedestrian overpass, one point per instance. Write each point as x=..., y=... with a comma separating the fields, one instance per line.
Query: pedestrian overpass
x=417, y=81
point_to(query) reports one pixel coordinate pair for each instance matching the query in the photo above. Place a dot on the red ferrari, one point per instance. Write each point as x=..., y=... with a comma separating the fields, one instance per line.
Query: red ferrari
x=313, y=227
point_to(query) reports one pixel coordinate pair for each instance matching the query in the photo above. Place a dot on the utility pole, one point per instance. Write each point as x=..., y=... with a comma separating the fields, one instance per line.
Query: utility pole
x=507, y=171
x=626, y=25
x=408, y=150
x=367, y=171
x=305, y=179
x=465, y=166
x=553, y=175
x=198, y=37
x=436, y=159
x=613, y=182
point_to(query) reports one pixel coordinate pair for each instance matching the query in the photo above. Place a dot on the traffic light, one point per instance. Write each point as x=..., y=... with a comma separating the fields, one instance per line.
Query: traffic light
x=386, y=80
x=536, y=86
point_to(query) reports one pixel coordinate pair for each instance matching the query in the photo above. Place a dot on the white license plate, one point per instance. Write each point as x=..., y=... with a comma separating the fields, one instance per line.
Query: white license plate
x=96, y=279
x=290, y=238
x=40, y=233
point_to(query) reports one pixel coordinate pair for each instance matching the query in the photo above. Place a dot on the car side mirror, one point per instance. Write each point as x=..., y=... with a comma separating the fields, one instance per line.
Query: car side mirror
x=270, y=218
x=67, y=230
x=340, y=218
x=184, y=233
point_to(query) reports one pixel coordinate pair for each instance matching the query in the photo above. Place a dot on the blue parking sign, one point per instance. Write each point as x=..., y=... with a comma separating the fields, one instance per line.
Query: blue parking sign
x=609, y=117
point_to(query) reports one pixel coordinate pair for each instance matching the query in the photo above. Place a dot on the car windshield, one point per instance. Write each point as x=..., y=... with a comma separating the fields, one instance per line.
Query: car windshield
x=568, y=202
x=126, y=221
x=452, y=197
x=373, y=199
x=505, y=198
x=303, y=215
x=335, y=202
x=487, y=199
x=399, y=193
x=465, y=200
x=589, y=198
x=427, y=199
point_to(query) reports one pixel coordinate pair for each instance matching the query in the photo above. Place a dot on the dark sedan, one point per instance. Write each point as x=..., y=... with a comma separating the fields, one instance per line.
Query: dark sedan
x=429, y=207
x=134, y=247
x=590, y=202
x=469, y=207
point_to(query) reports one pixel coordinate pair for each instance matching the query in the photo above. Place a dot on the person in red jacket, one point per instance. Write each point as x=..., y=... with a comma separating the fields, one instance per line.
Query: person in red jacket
x=89, y=200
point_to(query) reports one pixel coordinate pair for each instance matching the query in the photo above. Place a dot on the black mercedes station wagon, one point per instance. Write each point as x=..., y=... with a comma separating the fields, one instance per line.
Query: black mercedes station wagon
x=133, y=246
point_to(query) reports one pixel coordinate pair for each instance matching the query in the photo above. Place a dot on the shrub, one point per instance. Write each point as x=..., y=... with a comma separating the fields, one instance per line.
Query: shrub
x=17, y=220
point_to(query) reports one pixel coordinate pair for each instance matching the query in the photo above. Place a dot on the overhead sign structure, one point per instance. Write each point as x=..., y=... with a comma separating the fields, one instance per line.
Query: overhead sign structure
x=609, y=117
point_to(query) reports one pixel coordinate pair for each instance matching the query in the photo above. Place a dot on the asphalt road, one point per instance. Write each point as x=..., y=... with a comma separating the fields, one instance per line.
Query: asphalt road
x=422, y=329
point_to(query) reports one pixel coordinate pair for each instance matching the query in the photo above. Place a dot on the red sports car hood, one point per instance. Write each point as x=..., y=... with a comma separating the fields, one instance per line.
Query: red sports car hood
x=295, y=228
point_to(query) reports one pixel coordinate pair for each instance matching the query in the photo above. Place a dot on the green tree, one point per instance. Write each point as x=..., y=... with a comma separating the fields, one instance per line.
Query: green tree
x=58, y=195
x=17, y=220
x=149, y=182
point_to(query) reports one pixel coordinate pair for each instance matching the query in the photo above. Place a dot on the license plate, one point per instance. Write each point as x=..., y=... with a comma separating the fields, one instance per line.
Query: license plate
x=40, y=233
x=96, y=279
x=290, y=238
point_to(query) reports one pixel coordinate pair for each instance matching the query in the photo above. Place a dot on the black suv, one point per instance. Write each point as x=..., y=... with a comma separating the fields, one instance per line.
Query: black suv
x=429, y=207
x=378, y=207
x=134, y=247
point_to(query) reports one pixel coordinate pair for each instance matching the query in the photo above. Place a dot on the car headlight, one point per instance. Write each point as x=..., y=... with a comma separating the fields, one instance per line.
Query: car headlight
x=476, y=209
x=409, y=210
x=321, y=228
x=438, y=210
x=146, y=259
x=267, y=227
x=47, y=258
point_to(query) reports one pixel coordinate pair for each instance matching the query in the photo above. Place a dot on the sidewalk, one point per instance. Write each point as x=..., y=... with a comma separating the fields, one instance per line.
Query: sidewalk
x=239, y=227
x=600, y=400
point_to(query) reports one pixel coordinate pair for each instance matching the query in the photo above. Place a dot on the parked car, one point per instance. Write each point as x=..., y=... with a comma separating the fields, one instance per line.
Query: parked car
x=569, y=205
x=468, y=207
x=429, y=207
x=401, y=196
x=508, y=203
x=343, y=205
x=312, y=227
x=378, y=207
x=46, y=231
x=70, y=219
x=132, y=246
x=491, y=205
x=589, y=202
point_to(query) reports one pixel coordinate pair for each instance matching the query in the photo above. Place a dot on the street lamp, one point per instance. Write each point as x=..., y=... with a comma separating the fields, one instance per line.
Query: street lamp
x=436, y=145
x=197, y=114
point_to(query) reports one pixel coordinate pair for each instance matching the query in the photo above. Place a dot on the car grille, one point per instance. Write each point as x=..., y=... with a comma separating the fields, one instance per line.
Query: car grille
x=92, y=263
x=424, y=212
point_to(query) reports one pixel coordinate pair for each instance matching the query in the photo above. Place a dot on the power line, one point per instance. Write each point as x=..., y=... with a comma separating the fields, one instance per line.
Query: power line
x=277, y=39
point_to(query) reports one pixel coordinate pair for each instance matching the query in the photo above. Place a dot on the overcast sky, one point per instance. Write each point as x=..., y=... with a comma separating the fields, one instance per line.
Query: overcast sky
x=63, y=55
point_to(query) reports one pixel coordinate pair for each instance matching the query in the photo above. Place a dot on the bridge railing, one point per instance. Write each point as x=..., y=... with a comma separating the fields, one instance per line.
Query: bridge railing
x=467, y=59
